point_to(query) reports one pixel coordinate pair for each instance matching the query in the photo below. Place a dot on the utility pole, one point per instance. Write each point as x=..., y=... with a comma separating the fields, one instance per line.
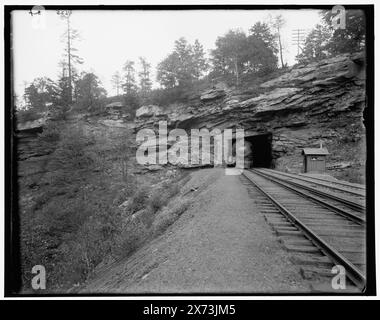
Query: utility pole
x=298, y=38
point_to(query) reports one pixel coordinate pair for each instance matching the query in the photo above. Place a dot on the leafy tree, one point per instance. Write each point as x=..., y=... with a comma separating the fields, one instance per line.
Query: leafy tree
x=64, y=91
x=315, y=47
x=41, y=92
x=237, y=54
x=167, y=71
x=132, y=101
x=183, y=66
x=230, y=54
x=350, y=39
x=324, y=41
x=261, y=30
x=32, y=97
x=261, y=49
x=90, y=91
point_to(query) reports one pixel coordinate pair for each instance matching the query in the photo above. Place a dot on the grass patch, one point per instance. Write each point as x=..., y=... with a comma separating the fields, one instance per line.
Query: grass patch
x=168, y=216
x=86, y=211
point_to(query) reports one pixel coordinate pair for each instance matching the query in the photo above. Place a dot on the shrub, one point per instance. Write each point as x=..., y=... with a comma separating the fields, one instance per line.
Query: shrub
x=138, y=200
x=158, y=200
x=168, y=217
x=173, y=189
x=129, y=238
x=28, y=115
x=50, y=133
x=354, y=175
x=161, y=197
x=71, y=154
x=77, y=222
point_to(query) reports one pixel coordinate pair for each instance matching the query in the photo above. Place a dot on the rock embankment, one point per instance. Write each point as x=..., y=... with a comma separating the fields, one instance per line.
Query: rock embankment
x=309, y=104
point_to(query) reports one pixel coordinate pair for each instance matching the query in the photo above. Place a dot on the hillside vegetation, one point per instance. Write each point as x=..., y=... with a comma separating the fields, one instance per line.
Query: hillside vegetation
x=86, y=206
x=83, y=201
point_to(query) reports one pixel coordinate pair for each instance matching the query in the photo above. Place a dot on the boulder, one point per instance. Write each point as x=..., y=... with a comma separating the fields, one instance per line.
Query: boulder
x=212, y=94
x=148, y=111
x=33, y=125
x=114, y=123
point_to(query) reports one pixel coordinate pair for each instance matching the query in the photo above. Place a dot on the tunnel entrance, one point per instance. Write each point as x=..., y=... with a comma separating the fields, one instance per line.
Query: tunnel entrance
x=261, y=151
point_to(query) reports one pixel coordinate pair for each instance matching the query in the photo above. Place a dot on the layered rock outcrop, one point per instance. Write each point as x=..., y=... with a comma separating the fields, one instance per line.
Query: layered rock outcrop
x=308, y=104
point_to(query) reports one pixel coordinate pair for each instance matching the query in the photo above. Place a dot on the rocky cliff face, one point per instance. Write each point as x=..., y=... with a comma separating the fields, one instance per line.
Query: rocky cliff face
x=306, y=105
x=32, y=156
x=319, y=102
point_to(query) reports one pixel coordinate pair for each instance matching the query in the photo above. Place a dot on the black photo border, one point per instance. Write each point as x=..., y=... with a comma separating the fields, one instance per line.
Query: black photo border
x=12, y=280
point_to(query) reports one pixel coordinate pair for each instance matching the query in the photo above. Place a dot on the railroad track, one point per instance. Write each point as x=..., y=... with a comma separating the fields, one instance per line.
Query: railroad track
x=355, y=190
x=313, y=224
x=354, y=203
x=349, y=185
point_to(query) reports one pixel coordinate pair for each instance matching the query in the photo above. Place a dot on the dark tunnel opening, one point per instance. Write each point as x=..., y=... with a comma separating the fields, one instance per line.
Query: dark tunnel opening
x=260, y=155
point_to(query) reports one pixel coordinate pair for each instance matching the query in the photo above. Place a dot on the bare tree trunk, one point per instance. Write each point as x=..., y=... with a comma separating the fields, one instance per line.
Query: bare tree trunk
x=280, y=47
x=236, y=72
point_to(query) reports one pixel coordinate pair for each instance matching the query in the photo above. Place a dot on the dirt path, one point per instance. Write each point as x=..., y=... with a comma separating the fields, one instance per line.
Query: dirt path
x=220, y=244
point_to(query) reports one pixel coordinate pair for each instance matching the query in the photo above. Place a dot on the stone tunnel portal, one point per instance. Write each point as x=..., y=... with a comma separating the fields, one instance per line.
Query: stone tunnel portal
x=260, y=154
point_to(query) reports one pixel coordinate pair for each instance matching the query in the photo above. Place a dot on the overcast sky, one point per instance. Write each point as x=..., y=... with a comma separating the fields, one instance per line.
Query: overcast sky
x=109, y=38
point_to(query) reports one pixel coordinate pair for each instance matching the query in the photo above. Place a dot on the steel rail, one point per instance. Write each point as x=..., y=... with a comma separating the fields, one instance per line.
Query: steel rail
x=354, y=274
x=344, y=213
x=315, y=182
x=347, y=184
x=348, y=203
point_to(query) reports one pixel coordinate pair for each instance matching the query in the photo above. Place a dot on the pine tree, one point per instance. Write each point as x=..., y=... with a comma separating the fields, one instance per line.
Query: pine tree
x=69, y=37
x=129, y=84
x=144, y=76
x=200, y=64
x=116, y=82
